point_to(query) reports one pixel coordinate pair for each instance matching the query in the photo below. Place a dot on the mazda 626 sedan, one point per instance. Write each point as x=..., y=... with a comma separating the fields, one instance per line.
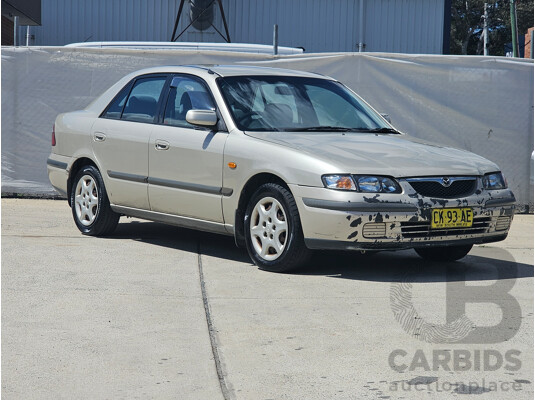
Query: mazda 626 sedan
x=284, y=161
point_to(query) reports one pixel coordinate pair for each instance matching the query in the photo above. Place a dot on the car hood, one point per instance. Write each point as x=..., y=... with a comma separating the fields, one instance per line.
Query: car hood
x=391, y=154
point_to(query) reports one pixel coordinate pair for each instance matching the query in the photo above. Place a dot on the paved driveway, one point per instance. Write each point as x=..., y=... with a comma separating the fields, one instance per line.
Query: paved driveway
x=167, y=313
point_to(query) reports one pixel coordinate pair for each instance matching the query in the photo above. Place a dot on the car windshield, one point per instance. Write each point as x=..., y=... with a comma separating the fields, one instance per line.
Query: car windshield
x=284, y=103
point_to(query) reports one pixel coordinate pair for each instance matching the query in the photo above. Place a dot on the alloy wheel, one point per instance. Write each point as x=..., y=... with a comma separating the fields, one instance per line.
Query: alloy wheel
x=86, y=200
x=268, y=228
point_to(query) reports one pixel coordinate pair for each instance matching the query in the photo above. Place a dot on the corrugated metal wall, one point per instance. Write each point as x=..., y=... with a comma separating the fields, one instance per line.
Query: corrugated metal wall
x=408, y=26
x=404, y=26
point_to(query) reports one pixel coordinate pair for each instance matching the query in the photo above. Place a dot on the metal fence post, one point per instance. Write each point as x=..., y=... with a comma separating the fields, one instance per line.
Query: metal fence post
x=275, y=39
x=15, y=30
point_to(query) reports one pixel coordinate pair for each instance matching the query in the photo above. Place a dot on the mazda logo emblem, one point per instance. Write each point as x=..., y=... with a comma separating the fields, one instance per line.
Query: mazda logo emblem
x=446, y=181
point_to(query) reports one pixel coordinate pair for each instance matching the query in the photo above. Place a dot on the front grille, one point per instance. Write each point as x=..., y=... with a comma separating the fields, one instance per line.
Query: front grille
x=414, y=230
x=433, y=188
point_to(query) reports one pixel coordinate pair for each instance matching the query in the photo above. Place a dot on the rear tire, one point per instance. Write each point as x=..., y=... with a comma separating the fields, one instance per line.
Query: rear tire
x=273, y=232
x=448, y=253
x=90, y=205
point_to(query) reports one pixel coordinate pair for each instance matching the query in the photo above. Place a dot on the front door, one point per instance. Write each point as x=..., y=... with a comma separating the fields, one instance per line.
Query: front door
x=185, y=162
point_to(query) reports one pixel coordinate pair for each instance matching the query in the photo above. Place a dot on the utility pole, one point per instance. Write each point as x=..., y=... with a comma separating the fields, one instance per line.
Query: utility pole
x=531, y=46
x=485, y=32
x=514, y=30
x=361, y=26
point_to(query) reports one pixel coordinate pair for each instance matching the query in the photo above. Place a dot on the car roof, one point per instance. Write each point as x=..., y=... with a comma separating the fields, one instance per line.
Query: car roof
x=229, y=70
x=205, y=71
x=238, y=70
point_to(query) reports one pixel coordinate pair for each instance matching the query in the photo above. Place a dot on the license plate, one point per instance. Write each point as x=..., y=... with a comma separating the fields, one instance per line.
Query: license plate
x=452, y=218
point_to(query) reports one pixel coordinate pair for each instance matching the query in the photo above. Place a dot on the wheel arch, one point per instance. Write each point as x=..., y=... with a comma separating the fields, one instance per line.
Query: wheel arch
x=76, y=166
x=246, y=193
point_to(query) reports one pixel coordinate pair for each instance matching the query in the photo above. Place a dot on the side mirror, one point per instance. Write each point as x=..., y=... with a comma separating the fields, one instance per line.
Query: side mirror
x=206, y=118
x=387, y=117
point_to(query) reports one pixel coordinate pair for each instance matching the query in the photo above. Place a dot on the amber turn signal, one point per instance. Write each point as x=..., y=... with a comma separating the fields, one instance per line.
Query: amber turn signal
x=232, y=165
x=340, y=182
x=345, y=183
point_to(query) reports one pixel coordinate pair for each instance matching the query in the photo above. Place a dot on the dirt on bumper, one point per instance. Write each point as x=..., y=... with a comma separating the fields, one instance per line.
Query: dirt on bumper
x=360, y=221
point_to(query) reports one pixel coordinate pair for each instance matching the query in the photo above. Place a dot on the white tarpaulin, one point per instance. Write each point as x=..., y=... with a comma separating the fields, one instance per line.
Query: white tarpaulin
x=481, y=104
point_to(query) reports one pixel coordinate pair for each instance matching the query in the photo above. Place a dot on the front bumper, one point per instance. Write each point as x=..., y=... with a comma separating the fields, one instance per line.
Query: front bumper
x=361, y=221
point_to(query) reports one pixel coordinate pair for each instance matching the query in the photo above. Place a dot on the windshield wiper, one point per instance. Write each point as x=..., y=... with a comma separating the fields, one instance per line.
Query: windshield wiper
x=320, y=129
x=382, y=130
x=339, y=129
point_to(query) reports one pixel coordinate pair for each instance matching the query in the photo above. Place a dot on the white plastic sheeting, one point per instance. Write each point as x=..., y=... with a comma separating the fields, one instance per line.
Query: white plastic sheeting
x=481, y=104
x=191, y=46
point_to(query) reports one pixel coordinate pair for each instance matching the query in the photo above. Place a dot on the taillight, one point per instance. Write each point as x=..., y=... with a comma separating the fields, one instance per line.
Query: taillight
x=53, y=135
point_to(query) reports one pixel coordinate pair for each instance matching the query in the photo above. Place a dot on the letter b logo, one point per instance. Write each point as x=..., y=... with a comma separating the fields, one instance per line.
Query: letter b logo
x=459, y=292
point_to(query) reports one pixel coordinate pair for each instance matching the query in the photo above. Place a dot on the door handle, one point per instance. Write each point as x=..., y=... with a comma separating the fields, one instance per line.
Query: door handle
x=99, y=137
x=161, y=145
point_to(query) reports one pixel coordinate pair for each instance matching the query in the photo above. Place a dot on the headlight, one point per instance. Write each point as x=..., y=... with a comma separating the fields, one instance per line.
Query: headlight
x=341, y=182
x=362, y=183
x=377, y=184
x=494, y=181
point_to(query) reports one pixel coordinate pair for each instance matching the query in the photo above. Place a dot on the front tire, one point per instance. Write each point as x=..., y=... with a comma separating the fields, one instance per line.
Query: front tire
x=449, y=253
x=90, y=205
x=273, y=232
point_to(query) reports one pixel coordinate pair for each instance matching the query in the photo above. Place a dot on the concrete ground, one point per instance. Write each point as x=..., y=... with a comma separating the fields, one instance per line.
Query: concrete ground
x=167, y=313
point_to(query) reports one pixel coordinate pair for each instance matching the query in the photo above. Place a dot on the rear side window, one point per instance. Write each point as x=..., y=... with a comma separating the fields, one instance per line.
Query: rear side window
x=142, y=104
x=116, y=106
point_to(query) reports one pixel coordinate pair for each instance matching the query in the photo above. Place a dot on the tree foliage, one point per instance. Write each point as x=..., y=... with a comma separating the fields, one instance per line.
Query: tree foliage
x=467, y=25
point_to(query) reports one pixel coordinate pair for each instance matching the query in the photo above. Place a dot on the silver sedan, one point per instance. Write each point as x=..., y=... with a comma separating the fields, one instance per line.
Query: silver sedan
x=285, y=161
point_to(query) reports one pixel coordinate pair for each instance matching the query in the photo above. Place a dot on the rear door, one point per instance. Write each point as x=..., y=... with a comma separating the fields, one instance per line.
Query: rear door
x=185, y=161
x=121, y=139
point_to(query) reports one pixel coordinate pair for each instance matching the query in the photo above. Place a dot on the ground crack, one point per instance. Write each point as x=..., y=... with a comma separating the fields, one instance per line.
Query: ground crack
x=211, y=330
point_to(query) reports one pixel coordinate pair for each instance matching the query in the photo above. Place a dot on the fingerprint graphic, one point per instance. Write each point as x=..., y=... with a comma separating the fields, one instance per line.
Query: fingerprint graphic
x=407, y=316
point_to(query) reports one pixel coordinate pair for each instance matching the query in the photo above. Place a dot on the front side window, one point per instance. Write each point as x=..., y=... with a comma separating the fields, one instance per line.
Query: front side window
x=142, y=104
x=186, y=94
x=282, y=103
